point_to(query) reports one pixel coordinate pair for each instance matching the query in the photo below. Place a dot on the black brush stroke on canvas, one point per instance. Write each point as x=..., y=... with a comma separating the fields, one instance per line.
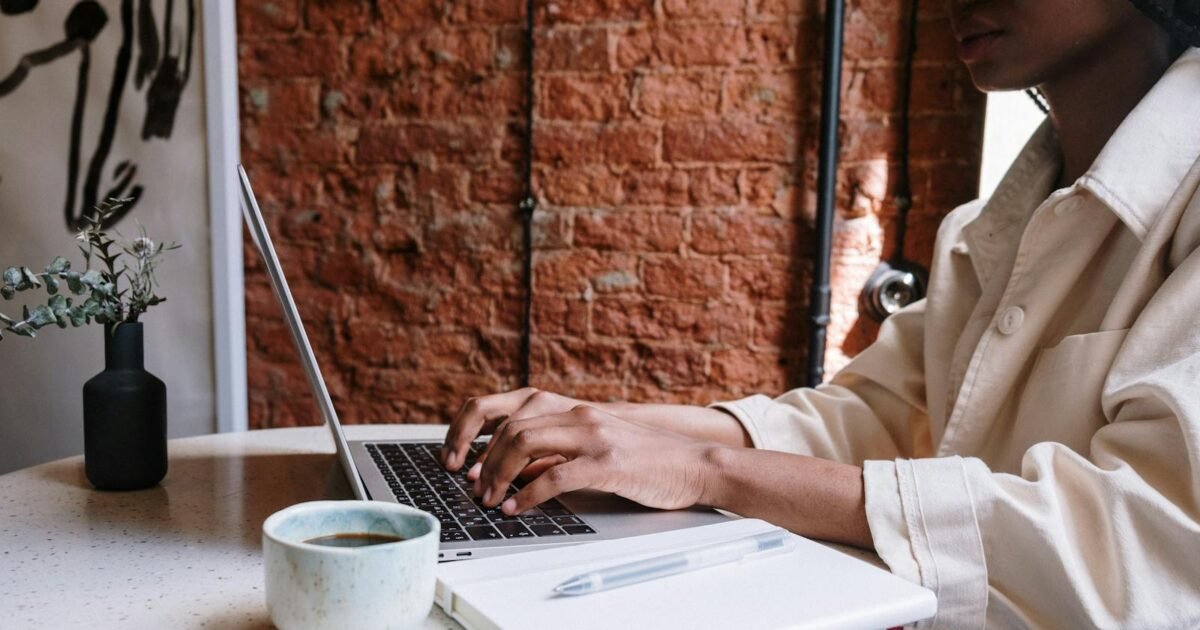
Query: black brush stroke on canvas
x=158, y=63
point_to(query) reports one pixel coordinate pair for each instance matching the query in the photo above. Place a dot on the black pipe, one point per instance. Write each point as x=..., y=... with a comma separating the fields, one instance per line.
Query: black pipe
x=527, y=206
x=831, y=84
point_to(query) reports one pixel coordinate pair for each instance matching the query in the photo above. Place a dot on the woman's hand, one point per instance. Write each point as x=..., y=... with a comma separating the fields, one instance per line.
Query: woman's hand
x=483, y=414
x=593, y=450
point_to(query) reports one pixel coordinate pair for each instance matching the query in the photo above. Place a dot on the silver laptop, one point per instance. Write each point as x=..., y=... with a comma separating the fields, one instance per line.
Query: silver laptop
x=408, y=471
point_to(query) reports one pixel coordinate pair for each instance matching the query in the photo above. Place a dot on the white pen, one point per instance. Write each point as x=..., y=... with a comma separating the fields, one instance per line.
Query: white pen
x=672, y=563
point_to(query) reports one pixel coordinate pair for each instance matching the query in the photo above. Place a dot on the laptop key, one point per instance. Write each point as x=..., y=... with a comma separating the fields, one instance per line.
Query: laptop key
x=548, y=529
x=567, y=520
x=454, y=536
x=578, y=529
x=486, y=532
x=513, y=529
x=471, y=521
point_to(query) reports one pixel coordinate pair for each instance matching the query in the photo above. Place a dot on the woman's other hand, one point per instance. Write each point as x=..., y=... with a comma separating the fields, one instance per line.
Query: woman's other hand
x=596, y=450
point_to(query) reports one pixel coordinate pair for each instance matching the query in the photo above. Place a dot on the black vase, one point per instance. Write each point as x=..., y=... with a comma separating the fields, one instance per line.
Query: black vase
x=124, y=417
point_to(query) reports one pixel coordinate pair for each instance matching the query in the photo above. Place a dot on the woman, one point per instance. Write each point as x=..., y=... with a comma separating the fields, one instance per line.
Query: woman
x=1026, y=441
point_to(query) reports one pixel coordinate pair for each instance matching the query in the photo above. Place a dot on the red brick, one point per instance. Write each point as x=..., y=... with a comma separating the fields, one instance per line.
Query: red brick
x=450, y=96
x=681, y=45
x=288, y=103
x=579, y=185
x=711, y=9
x=733, y=232
x=729, y=139
x=767, y=279
x=496, y=186
x=678, y=95
x=400, y=143
x=337, y=16
x=577, y=270
x=487, y=12
x=702, y=278
x=669, y=320
x=632, y=143
x=572, y=49
x=659, y=187
x=572, y=358
x=712, y=186
x=671, y=367
x=256, y=18
x=595, y=98
x=285, y=146
x=768, y=45
x=409, y=14
x=591, y=11
x=557, y=316
x=629, y=231
x=763, y=94
x=375, y=342
x=290, y=57
x=392, y=54
x=758, y=371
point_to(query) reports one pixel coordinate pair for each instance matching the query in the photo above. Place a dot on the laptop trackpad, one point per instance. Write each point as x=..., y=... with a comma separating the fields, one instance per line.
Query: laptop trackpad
x=616, y=517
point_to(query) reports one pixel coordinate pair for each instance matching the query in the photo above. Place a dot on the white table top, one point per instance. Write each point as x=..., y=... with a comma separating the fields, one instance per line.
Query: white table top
x=184, y=554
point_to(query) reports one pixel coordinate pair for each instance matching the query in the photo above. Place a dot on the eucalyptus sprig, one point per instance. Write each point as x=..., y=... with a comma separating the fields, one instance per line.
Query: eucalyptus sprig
x=97, y=294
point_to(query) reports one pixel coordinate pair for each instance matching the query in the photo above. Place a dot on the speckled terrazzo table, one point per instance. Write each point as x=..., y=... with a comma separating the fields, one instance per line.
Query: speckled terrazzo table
x=184, y=554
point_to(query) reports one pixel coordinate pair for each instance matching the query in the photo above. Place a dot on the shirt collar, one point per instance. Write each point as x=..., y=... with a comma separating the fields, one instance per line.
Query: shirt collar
x=1145, y=161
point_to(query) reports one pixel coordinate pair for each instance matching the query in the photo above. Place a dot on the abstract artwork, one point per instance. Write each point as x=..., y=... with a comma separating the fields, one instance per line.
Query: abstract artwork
x=99, y=99
x=159, y=52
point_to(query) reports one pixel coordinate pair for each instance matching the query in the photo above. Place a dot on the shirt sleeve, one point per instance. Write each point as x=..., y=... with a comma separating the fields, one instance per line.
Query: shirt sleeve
x=873, y=408
x=1106, y=538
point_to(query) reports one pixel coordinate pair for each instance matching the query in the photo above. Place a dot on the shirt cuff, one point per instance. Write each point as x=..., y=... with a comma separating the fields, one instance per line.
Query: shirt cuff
x=748, y=411
x=923, y=523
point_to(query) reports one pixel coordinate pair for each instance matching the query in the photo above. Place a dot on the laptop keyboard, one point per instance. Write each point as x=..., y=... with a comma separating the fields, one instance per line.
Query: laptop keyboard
x=416, y=478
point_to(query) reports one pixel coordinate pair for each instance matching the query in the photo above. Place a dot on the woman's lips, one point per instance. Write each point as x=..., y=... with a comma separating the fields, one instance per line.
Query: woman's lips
x=975, y=47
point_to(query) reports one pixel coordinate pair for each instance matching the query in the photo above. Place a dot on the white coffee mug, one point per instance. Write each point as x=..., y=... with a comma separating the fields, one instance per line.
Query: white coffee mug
x=386, y=585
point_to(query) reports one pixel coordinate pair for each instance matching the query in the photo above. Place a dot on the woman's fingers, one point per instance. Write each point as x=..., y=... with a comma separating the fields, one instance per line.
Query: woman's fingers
x=576, y=474
x=540, y=466
x=478, y=415
x=539, y=403
x=519, y=445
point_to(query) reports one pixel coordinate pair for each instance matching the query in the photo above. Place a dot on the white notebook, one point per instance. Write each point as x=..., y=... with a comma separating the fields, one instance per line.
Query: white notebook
x=811, y=586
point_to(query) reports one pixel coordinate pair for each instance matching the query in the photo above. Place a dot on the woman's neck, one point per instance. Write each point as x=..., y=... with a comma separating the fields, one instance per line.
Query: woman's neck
x=1090, y=100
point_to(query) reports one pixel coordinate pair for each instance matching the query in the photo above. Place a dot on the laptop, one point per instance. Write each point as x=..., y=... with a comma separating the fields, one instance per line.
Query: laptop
x=409, y=472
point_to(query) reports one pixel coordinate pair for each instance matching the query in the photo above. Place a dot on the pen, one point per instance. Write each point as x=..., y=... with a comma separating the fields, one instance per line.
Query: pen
x=672, y=563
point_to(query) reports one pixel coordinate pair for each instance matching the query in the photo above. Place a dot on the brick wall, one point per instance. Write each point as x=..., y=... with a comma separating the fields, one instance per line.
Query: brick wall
x=675, y=161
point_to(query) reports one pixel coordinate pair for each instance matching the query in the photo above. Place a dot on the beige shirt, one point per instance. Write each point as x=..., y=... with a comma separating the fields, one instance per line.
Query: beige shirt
x=1030, y=433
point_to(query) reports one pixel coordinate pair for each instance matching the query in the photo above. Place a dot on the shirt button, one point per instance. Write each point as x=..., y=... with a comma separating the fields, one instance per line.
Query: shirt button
x=1067, y=206
x=1011, y=320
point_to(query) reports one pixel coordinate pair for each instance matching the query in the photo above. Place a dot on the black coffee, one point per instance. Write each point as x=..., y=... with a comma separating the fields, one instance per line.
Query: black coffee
x=353, y=540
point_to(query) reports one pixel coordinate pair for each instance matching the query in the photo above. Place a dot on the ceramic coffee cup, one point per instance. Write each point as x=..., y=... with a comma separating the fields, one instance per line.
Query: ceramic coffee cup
x=386, y=585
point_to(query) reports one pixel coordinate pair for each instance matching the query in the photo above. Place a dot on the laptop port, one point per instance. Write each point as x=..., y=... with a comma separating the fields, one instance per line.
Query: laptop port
x=463, y=554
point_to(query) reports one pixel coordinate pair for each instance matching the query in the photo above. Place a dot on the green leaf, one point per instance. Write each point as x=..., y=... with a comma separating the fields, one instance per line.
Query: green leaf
x=51, y=285
x=79, y=315
x=12, y=277
x=42, y=315
x=58, y=265
x=31, y=277
x=91, y=278
x=73, y=283
x=59, y=303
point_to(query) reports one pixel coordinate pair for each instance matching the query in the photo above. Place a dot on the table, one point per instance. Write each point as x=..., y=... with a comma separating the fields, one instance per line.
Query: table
x=184, y=554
